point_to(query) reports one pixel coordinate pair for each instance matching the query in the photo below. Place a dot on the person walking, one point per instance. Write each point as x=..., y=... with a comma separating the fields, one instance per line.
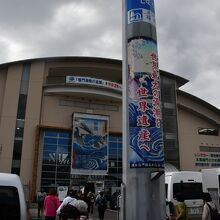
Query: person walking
x=209, y=209
x=71, y=208
x=91, y=201
x=40, y=203
x=51, y=204
x=181, y=208
x=69, y=200
x=101, y=203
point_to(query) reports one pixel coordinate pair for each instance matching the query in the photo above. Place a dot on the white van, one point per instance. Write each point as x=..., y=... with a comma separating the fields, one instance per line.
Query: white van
x=12, y=200
x=190, y=185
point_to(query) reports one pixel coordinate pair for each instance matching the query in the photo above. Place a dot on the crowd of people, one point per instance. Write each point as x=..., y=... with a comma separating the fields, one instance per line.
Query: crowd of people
x=76, y=205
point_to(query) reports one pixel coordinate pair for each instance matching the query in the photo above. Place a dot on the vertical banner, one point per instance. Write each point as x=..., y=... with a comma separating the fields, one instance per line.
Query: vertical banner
x=143, y=153
x=144, y=107
x=90, y=144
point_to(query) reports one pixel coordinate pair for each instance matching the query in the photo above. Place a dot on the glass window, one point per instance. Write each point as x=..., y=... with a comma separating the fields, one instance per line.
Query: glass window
x=21, y=106
x=113, y=151
x=112, y=156
x=17, y=150
x=170, y=143
x=63, y=169
x=113, y=145
x=120, y=145
x=65, y=135
x=113, y=138
x=49, y=157
x=25, y=79
x=189, y=190
x=112, y=164
x=119, y=169
x=9, y=203
x=209, y=149
x=169, y=111
x=171, y=154
x=63, y=175
x=19, y=132
x=112, y=170
x=56, y=157
x=48, y=174
x=63, y=182
x=166, y=189
x=208, y=131
x=63, y=141
x=169, y=124
x=48, y=168
x=115, y=155
x=63, y=159
x=48, y=140
x=63, y=150
x=50, y=134
x=45, y=182
x=167, y=90
x=119, y=152
x=15, y=170
x=119, y=164
x=50, y=147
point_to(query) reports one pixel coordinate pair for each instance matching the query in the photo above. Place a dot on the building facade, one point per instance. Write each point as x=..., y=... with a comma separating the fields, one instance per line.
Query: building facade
x=38, y=103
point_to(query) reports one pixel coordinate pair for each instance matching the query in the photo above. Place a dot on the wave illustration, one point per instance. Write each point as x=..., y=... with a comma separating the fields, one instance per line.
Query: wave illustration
x=90, y=158
x=156, y=153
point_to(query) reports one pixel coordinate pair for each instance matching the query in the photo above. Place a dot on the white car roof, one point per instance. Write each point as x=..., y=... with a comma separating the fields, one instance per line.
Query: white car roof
x=8, y=179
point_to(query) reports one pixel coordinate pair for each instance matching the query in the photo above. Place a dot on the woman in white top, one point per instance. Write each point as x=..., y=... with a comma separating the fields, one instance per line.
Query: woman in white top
x=208, y=203
x=70, y=199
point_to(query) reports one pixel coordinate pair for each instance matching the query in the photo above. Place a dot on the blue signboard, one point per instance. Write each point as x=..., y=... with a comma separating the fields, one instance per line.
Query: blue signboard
x=141, y=11
x=144, y=4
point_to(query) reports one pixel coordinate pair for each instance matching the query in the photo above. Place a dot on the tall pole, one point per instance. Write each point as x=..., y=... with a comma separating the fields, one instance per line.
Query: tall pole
x=143, y=154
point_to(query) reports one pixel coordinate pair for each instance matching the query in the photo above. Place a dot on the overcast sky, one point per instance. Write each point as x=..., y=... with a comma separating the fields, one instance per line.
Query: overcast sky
x=188, y=35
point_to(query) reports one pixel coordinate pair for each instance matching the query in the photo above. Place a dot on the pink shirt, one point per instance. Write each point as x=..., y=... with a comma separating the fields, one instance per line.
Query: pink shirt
x=51, y=204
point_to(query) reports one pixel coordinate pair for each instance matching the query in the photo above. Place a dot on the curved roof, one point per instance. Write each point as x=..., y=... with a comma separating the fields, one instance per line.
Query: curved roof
x=65, y=58
x=200, y=101
x=212, y=115
x=180, y=80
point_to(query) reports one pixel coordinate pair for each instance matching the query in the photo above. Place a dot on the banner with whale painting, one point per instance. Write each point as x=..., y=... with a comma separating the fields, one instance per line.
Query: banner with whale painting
x=90, y=144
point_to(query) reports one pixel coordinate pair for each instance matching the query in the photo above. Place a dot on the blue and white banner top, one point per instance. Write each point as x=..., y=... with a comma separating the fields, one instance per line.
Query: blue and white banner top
x=141, y=11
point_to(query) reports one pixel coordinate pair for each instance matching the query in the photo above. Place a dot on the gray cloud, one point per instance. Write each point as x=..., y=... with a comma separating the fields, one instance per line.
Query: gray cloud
x=188, y=35
x=188, y=43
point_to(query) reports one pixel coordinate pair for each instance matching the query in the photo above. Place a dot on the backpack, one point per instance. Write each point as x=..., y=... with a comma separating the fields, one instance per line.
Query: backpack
x=103, y=202
x=214, y=213
x=69, y=211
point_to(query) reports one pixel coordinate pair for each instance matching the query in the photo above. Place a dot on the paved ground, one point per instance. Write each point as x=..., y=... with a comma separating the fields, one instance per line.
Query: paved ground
x=109, y=214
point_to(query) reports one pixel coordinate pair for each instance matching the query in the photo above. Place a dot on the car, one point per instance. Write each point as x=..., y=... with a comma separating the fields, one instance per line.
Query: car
x=12, y=199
